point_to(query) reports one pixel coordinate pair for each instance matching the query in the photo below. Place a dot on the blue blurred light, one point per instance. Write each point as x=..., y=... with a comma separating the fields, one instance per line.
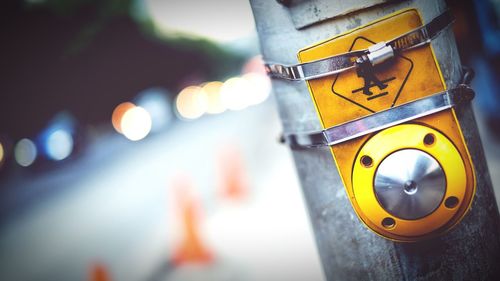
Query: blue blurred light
x=59, y=145
x=56, y=140
x=156, y=103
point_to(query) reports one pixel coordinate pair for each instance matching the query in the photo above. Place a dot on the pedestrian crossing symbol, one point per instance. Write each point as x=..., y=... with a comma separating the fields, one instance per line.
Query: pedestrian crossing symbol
x=368, y=83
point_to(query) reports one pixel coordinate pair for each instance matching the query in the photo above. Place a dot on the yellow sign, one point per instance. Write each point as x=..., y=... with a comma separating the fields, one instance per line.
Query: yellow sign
x=356, y=93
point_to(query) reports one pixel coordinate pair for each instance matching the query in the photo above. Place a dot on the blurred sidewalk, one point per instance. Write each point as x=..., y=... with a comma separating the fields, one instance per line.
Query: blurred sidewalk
x=118, y=211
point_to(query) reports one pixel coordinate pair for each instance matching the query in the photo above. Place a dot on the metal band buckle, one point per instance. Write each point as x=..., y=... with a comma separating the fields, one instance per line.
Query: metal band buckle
x=376, y=54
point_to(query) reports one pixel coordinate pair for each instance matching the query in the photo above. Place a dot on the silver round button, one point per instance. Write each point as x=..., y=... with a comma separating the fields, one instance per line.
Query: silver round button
x=410, y=184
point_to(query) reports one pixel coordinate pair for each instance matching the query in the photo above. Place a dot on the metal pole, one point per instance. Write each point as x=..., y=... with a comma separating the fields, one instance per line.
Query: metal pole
x=348, y=250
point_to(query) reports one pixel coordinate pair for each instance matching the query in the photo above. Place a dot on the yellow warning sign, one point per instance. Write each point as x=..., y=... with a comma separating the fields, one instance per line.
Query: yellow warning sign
x=359, y=92
x=410, y=75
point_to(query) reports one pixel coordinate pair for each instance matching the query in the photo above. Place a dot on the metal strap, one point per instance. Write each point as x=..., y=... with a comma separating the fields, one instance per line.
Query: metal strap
x=382, y=119
x=339, y=63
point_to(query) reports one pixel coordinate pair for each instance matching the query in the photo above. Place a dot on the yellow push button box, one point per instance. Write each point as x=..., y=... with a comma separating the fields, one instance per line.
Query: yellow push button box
x=410, y=181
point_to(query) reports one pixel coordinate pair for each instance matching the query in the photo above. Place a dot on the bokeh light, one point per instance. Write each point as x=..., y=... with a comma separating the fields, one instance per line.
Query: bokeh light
x=260, y=86
x=2, y=153
x=155, y=101
x=25, y=152
x=118, y=113
x=215, y=97
x=191, y=103
x=59, y=145
x=135, y=123
x=214, y=102
x=235, y=92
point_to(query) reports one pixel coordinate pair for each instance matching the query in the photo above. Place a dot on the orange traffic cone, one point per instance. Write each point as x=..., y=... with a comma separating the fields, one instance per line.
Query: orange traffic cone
x=191, y=249
x=99, y=273
x=233, y=181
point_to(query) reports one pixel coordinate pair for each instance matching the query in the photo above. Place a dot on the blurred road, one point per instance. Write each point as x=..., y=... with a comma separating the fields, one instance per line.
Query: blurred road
x=114, y=206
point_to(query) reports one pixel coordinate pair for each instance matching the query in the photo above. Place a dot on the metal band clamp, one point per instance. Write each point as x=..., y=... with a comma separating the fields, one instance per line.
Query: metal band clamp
x=382, y=119
x=375, y=54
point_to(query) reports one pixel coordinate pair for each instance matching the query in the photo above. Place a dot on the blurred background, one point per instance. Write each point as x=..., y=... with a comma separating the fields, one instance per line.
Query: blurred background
x=138, y=141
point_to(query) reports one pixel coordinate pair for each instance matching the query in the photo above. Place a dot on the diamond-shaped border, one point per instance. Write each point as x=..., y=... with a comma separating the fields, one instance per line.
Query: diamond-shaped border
x=399, y=91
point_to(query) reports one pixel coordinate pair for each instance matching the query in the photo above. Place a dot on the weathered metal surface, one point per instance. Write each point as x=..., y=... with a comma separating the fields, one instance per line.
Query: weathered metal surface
x=307, y=12
x=348, y=250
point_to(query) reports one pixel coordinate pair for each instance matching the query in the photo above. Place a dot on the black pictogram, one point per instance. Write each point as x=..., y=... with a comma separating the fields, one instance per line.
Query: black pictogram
x=368, y=85
x=365, y=71
x=370, y=80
